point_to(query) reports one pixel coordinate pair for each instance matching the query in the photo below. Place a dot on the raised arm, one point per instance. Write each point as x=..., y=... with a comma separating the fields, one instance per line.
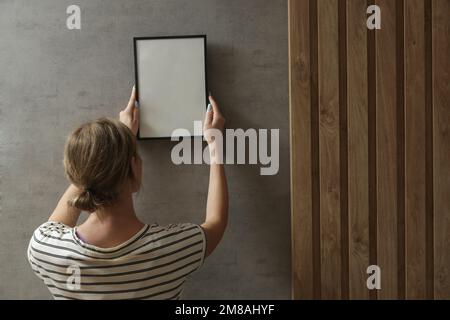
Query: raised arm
x=217, y=203
x=65, y=213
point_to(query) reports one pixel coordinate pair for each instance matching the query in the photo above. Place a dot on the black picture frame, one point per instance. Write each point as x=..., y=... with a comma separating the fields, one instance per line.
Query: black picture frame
x=135, y=40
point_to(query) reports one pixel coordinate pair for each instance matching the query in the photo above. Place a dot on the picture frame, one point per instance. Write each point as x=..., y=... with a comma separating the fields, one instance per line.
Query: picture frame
x=149, y=129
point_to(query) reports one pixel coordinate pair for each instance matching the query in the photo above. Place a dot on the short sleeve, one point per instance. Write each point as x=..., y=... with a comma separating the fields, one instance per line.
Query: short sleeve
x=42, y=235
x=189, y=237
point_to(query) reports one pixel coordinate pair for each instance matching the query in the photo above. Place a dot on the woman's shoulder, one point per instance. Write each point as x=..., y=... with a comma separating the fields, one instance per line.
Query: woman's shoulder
x=171, y=229
x=51, y=229
x=175, y=236
x=48, y=238
x=183, y=243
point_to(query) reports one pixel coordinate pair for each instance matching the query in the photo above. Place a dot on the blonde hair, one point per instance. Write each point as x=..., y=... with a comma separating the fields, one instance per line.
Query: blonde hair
x=97, y=159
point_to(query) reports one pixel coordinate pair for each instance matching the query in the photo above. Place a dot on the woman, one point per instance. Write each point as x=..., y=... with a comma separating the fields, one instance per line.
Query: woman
x=114, y=255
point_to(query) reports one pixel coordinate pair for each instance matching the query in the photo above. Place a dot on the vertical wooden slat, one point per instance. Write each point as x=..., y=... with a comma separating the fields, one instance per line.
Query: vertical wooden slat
x=329, y=148
x=357, y=117
x=372, y=140
x=441, y=147
x=400, y=72
x=386, y=153
x=315, y=157
x=343, y=145
x=300, y=117
x=415, y=150
x=429, y=149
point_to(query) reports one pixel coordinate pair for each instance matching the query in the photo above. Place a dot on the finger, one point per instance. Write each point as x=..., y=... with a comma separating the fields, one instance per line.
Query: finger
x=208, y=117
x=130, y=107
x=214, y=105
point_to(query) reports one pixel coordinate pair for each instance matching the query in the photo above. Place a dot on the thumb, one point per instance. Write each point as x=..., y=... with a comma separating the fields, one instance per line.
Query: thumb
x=214, y=106
x=208, y=116
x=131, y=105
x=136, y=114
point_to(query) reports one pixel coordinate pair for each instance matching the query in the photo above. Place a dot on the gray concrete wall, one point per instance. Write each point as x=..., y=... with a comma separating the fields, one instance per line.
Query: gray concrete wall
x=53, y=79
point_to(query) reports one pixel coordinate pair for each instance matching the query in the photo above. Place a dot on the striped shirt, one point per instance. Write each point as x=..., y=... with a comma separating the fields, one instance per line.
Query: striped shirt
x=153, y=264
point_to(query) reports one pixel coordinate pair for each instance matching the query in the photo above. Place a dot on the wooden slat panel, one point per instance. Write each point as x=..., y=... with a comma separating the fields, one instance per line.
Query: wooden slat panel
x=300, y=117
x=378, y=130
x=329, y=148
x=441, y=165
x=415, y=150
x=386, y=152
x=357, y=117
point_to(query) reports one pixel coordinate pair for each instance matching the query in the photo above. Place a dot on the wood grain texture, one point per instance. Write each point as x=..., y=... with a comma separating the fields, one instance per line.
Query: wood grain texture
x=328, y=63
x=415, y=150
x=441, y=147
x=386, y=153
x=400, y=72
x=300, y=118
x=315, y=156
x=343, y=148
x=429, y=149
x=370, y=140
x=357, y=118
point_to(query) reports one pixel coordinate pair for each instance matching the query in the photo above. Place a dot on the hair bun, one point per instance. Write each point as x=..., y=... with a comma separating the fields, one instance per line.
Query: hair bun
x=88, y=190
x=84, y=201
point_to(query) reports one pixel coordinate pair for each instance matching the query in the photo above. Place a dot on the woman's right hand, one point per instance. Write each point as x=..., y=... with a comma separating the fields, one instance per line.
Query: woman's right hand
x=213, y=120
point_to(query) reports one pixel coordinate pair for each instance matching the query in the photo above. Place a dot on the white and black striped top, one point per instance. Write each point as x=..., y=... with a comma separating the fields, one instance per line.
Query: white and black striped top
x=153, y=264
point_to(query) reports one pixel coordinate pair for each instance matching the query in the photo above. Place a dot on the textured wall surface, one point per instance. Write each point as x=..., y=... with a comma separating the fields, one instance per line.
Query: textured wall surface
x=53, y=79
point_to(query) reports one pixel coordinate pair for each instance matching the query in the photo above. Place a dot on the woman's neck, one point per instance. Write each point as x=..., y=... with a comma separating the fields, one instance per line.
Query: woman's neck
x=121, y=211
x=112, y=225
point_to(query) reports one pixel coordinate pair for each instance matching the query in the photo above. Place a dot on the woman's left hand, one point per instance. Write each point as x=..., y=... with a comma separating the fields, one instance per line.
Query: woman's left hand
x=130, y=115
